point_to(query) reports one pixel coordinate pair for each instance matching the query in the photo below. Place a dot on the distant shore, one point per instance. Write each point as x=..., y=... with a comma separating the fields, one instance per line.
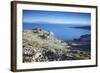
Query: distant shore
x=83, y=27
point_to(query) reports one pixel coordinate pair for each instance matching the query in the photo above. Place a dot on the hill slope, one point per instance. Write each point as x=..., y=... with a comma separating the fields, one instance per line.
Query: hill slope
x=40, y=46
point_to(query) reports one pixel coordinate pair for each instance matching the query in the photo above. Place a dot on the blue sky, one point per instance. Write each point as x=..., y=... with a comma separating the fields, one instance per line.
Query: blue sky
x=31, y=16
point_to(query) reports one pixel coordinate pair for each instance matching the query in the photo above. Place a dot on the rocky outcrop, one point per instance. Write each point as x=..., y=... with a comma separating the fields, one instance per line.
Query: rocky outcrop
x=86, y=37
x=83, y=44
x=41, y=46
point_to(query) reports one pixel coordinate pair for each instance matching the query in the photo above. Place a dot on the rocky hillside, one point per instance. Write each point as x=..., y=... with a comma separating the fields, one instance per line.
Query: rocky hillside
x=41, y=46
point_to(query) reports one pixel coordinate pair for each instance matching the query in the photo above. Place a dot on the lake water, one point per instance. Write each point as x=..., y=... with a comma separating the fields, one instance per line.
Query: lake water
x=61, y=31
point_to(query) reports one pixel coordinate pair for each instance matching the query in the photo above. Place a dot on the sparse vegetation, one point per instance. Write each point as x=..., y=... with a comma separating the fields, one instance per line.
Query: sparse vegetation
x=41, y=46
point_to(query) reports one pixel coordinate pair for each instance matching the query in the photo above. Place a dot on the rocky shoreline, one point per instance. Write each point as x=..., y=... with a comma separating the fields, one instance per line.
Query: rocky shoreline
x=42, y=46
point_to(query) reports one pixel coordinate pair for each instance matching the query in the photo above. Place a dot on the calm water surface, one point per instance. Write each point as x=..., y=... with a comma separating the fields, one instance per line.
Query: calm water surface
x=60, y=31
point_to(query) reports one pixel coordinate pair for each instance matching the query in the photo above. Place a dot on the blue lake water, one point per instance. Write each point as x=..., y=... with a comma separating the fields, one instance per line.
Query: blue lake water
x=60, y=31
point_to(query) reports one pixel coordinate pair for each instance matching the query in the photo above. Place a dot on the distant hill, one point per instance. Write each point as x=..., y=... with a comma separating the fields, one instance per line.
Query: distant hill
x=83, y=27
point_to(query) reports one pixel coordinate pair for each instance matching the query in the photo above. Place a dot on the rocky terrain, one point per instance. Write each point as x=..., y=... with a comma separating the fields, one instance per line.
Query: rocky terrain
x=40, y=46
